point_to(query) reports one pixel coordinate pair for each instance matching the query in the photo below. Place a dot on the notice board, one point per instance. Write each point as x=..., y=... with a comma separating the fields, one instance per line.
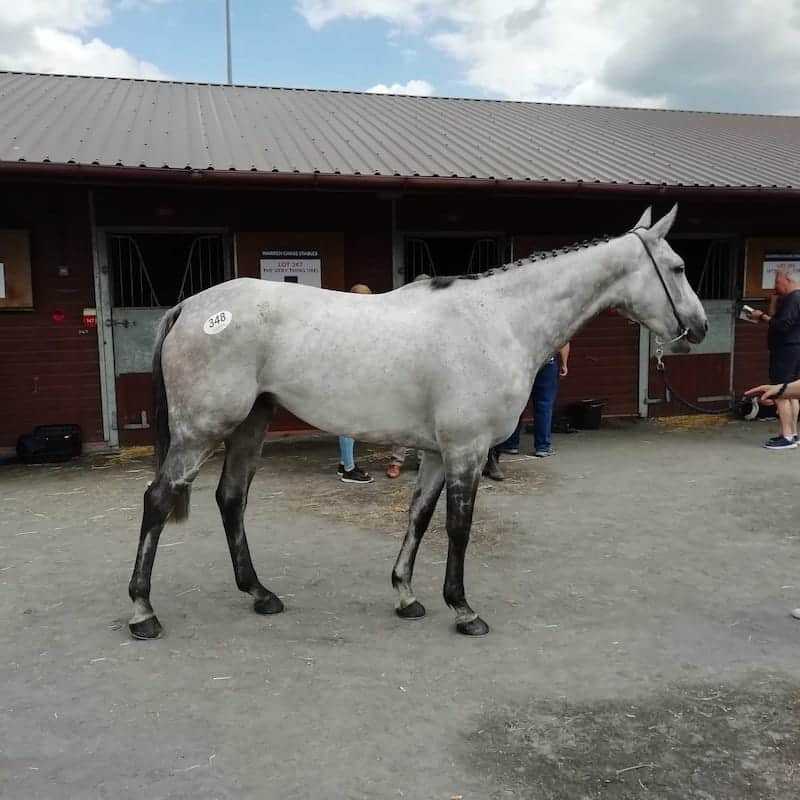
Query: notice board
x=16, y=286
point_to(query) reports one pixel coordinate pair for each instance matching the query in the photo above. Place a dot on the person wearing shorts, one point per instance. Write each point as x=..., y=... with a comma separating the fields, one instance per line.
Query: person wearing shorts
x=783, y=340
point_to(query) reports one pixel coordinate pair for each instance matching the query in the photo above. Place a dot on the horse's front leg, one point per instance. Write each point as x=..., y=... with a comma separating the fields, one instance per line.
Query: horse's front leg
x=462, y=479
x=426, y=494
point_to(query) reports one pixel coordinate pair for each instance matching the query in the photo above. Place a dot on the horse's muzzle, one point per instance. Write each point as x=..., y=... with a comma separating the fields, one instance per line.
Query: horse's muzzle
x=697, y=333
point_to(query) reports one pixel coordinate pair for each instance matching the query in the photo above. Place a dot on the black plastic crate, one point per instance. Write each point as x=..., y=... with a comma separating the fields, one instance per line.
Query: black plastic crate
x=50, y=444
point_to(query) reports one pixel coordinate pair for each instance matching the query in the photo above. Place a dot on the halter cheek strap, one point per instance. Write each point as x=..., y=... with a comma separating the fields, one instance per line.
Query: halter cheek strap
x=683, y=328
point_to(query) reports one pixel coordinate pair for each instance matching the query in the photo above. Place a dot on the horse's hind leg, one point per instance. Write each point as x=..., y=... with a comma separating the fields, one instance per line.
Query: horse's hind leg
x=463, y=475
x=243, y=450
x=426, y=494
x=170, y=484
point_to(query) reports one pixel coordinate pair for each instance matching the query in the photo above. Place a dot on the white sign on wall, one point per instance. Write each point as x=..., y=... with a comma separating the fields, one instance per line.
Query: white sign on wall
x=2, y=281
x=292, y=266
x=779, y=262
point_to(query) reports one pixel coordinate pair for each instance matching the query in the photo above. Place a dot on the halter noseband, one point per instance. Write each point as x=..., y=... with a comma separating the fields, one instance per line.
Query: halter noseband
x=685, y=330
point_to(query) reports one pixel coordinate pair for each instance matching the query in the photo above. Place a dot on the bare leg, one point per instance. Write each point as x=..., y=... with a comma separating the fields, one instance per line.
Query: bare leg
x=426, y=493
x=787, y=413
x=178, y=471
x=243, y=450
x=462, y=486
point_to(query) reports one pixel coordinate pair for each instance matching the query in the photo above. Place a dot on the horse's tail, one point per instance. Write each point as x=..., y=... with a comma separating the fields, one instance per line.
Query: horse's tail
x=161, y=412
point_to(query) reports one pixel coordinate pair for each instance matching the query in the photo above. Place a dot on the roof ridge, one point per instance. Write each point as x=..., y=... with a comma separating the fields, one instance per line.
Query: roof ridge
x=446, y=98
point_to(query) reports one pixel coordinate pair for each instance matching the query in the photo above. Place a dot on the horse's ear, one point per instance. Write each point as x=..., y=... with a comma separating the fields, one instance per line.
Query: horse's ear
x=646, y=220
x=661, y=228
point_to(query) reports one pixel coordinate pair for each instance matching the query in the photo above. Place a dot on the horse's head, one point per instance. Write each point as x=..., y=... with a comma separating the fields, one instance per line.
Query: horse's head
x=656, y=292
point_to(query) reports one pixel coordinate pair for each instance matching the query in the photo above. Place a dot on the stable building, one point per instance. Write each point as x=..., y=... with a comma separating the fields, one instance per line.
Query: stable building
x=120, y=197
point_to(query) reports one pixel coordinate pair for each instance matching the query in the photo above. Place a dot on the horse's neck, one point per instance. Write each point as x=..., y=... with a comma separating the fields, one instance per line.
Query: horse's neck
x=547, y=302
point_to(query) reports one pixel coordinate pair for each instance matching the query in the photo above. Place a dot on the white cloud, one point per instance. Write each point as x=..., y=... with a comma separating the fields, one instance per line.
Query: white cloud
x=138, y=5
x=53, y=36
x=410, y=13
x=69, y=14
x=729, y=55
x=415, y=87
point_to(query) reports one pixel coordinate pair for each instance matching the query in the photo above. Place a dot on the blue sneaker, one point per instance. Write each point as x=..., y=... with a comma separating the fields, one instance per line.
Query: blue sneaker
x=781, y=443
x=544, y=452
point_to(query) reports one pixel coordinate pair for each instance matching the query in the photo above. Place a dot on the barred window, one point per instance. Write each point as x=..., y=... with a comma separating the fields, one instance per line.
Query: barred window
x=159, y=270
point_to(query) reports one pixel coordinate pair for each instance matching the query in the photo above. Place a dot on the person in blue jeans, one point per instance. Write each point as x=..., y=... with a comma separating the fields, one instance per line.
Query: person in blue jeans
x=348, y=471
x=544, y=393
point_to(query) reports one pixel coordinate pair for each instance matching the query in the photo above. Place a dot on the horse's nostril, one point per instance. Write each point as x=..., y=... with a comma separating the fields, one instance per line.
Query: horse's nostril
x=705, y=326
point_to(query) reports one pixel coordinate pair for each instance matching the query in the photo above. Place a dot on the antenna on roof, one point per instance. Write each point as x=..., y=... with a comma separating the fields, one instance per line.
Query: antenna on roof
x=228, y=39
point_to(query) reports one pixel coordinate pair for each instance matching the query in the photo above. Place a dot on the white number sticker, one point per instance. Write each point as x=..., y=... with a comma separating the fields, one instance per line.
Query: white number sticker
x=217, y=322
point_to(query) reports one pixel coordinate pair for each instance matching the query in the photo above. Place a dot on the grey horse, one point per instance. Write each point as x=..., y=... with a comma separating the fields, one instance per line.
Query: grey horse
x=446, y=367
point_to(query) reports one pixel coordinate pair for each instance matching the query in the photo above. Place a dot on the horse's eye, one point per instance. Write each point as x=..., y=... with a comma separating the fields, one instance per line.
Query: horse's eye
x=679, y=269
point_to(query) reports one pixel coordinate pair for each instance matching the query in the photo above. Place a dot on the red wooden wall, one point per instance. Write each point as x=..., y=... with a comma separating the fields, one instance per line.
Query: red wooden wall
x=750, y=357
x=603, y=365
x=49, y=370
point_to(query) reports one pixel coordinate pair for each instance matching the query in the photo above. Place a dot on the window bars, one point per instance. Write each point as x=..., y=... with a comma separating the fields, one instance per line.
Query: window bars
x=717, y=278
x=167, y=280
x=132, y=285
x=483, y=256
x=419, y=260
x=205, y=266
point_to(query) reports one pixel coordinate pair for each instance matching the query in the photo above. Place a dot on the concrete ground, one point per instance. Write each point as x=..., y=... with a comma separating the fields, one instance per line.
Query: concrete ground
x=637, y=585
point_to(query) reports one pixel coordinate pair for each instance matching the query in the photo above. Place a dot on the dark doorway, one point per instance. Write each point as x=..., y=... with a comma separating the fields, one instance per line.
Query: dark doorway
x=461, y=255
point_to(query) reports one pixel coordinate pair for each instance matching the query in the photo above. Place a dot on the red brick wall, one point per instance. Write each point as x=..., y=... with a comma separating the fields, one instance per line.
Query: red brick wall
x=604, y=365
x=49, y=371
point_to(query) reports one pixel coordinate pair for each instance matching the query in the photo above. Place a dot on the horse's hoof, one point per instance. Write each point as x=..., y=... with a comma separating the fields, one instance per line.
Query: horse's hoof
x=271, y=604
x=475, y=627
x=149, y=628
x=414, y=610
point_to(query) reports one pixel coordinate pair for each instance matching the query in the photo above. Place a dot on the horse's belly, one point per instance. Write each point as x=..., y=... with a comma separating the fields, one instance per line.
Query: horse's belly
x=370, y=414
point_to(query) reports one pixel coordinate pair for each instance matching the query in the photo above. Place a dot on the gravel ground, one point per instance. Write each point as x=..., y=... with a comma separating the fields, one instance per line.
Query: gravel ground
x=637, y=585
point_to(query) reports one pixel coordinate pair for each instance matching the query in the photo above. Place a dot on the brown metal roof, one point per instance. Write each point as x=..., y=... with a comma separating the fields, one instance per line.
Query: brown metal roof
x=155, y=124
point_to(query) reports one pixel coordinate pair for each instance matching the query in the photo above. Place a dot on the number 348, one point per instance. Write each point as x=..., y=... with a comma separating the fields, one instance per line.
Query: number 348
x=217, y=322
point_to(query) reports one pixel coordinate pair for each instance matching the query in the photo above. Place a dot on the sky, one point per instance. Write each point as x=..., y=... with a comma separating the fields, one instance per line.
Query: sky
x=714, y=55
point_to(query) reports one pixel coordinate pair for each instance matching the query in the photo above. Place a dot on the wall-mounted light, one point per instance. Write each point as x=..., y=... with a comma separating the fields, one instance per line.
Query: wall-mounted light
x=63, y=272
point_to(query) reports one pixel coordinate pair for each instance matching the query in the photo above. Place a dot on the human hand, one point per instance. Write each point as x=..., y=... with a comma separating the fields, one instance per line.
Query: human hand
x=563, y=371
x=757, y=314
x=766, y=391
